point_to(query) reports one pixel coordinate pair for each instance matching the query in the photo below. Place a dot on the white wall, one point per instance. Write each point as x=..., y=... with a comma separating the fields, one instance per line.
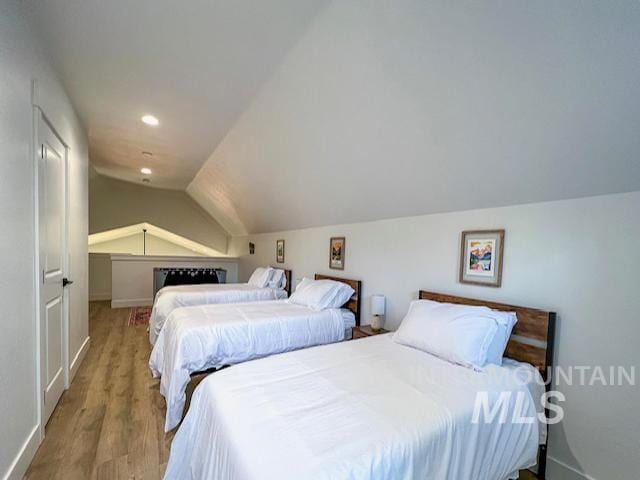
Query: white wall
x=576, y=257
x=99, y=276
x=21, y=60
x=132, y=275
x=100, y=259
x=115, y=203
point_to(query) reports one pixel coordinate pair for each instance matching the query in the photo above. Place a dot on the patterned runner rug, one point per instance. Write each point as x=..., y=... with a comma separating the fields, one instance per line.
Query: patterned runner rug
x=139, y=316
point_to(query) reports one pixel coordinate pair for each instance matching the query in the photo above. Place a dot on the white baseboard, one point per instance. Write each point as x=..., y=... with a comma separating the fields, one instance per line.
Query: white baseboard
x=19, y=466
x=98, y=297
x=558, y=470
x=132, y=302
x=77, y=360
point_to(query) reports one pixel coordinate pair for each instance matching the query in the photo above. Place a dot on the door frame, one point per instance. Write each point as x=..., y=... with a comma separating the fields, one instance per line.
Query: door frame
x=37, y=114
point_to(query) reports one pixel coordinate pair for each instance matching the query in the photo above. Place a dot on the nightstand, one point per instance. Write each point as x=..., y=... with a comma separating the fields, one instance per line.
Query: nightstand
x=365, y=331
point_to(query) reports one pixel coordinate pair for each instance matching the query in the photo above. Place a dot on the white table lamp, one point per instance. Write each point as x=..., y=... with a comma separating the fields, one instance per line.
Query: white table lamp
x=377, y=310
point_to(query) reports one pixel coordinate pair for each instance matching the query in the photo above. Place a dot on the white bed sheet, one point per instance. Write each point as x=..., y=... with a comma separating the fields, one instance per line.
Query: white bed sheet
x=366, y=409
x=211, y=336
x=170, y=298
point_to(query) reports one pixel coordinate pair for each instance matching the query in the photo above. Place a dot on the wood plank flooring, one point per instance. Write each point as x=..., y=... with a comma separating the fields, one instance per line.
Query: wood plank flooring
x=109, y=424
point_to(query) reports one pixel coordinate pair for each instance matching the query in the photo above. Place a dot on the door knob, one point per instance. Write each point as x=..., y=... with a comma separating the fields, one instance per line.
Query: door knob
x=66, y=281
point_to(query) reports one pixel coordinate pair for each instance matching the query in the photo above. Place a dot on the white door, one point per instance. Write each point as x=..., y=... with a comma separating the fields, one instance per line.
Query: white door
x=52, y=234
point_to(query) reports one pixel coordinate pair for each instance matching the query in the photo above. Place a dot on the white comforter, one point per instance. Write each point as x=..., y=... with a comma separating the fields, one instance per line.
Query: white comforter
x=366, y=409
x=210, y=336
x=170, y=298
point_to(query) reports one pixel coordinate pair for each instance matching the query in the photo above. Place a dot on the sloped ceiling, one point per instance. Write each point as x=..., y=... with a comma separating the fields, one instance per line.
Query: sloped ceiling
x=166, y=235
x=193, y=64
x=313, y=113
x=114, y=204
x=390, y=109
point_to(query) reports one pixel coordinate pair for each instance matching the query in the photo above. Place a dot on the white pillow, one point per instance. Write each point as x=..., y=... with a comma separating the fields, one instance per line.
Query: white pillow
x=505, y=322
x=260, y=277
x=321, y=294
x=343, y=293
x=458, y=333
x=278, y=279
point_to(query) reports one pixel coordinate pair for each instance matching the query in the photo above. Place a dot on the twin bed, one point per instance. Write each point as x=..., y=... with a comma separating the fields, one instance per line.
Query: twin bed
x=170, y=298
x=367, y=409
x=205, y=337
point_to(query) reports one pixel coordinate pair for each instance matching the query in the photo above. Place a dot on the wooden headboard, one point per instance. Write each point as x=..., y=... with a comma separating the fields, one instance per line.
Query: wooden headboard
x=287, y=275
x=354, y=303
x=532, y=337
x=287, y=287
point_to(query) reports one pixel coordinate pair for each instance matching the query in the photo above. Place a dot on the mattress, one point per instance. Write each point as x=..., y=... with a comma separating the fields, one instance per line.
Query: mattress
x=366, y=409
x=170, y=298
x=349, y=321
x=211, y=336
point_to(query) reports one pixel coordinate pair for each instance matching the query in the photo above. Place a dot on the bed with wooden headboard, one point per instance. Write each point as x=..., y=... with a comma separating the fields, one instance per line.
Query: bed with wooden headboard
x=531, y=341
x=354, y=303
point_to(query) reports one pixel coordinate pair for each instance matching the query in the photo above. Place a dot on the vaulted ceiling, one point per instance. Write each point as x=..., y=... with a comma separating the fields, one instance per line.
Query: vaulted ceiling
x=157, y=232
x=289, y=114
x=194, y=64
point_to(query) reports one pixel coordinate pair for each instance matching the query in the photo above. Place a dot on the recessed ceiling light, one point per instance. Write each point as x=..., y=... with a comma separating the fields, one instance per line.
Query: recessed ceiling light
x=145, y=171
x=150, y=120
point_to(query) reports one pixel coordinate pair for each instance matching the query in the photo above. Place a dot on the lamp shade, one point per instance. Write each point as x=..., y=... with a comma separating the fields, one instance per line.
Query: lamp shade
x=377, y=304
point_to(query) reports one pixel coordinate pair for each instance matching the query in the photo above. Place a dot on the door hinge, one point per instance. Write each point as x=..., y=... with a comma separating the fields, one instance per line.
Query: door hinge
x=43, y=276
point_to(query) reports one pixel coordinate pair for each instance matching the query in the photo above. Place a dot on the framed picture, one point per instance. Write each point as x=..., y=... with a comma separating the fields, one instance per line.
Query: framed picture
x=252, y=248
x=336, y=253
x=481, y=254
x=280, y=251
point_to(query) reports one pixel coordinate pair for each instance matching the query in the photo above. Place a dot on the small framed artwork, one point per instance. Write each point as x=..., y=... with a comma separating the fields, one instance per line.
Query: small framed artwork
x=481, y=254
x=336, y=253
x=252, y=248
x=280, y=251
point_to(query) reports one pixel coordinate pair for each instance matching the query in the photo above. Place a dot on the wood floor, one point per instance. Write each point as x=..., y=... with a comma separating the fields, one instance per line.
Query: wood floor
x=109, y=424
